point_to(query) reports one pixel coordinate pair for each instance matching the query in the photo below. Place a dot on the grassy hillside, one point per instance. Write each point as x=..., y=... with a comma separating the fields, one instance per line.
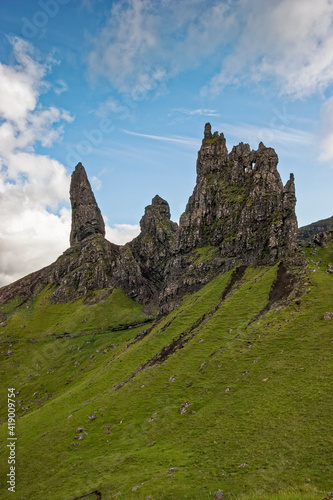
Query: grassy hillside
x=231, y=391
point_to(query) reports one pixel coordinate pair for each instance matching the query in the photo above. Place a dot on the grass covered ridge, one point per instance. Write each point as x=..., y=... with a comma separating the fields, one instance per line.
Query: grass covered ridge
x=231, y=399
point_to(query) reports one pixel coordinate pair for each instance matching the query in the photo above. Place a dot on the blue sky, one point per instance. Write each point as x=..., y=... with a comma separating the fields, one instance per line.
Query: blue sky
x=127, y=86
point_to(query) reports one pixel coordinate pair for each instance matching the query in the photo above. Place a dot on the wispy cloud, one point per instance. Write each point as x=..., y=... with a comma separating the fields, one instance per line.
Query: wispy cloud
x=269, y=135
x=60, y=87
x=195, y=112
x=141, y=43
x=185, y=141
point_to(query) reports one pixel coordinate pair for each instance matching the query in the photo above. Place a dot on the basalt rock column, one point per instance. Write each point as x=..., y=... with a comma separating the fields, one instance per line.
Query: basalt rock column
x=87, y=219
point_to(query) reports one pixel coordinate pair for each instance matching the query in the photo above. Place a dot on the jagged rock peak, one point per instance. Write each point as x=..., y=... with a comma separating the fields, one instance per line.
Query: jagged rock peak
x=87, y=219
x=159, y=208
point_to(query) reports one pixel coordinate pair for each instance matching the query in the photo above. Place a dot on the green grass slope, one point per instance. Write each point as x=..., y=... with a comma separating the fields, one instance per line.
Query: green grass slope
x=223, y=393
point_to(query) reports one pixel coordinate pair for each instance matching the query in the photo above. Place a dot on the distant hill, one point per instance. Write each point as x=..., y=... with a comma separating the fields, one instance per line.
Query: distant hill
x=307, y=233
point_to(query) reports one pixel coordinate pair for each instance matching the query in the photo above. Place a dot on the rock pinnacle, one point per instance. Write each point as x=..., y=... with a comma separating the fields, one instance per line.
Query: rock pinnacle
x=87, y=219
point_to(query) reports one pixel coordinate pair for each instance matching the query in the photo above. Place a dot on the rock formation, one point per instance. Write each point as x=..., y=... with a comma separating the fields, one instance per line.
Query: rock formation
x=321, y=239
x=306, y=234
x=239, y=203
x=87, y=219
x=239, y=213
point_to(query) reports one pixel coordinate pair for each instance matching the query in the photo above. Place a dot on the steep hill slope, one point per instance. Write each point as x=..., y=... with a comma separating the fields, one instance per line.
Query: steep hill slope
x=232, y=389
x=195, y=358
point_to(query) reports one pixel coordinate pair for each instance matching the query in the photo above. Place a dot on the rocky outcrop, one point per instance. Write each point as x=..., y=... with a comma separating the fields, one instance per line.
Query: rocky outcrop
x=239, y=204
x=306, y=234
x=140, y=268
x=239, y=213
x=87, y=219
x=83, y=268
x=323, y=238
x=156, y=243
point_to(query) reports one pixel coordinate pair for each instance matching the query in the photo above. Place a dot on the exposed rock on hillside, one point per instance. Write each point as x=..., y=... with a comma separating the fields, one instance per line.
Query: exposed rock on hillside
x=139, y=270
x=156, y=242
x=239, y=203
x=307, y=233
x=239, y=213
x=84, y=267
x=322, y=238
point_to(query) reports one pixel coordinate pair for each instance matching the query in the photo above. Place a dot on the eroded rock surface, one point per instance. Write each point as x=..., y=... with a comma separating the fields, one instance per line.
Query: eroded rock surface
x=87, y=219
x=239, y=213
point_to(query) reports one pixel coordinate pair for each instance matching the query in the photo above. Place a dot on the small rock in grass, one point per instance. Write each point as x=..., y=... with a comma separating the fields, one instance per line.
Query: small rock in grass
x=92, y=416
x=184, y=407
x=227, y=389
x=328, y=316
x=173, y=469
x=80, y=429
x=151, y=444
x=241, y=466
x=135, y=488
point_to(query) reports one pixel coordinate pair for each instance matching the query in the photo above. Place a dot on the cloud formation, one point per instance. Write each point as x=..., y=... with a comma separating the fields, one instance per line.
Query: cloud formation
x=35, y=219
x=144, y=42
x=122, y=233
x=289, y=43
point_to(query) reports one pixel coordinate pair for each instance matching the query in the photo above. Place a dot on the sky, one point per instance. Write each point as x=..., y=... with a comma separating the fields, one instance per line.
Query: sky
x=126, y=88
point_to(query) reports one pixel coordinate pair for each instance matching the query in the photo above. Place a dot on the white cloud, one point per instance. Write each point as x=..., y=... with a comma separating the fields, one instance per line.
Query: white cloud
x=144, y=43
x=30, y=239
x=122, y=233
x=35, y=222
x=287, y=42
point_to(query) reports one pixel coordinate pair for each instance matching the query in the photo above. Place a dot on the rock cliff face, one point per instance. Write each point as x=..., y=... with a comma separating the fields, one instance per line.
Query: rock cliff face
x=239, y=203
x=239, y=213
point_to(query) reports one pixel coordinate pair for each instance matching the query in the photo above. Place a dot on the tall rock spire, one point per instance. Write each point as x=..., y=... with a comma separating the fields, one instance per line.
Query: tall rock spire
x=87, y=219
